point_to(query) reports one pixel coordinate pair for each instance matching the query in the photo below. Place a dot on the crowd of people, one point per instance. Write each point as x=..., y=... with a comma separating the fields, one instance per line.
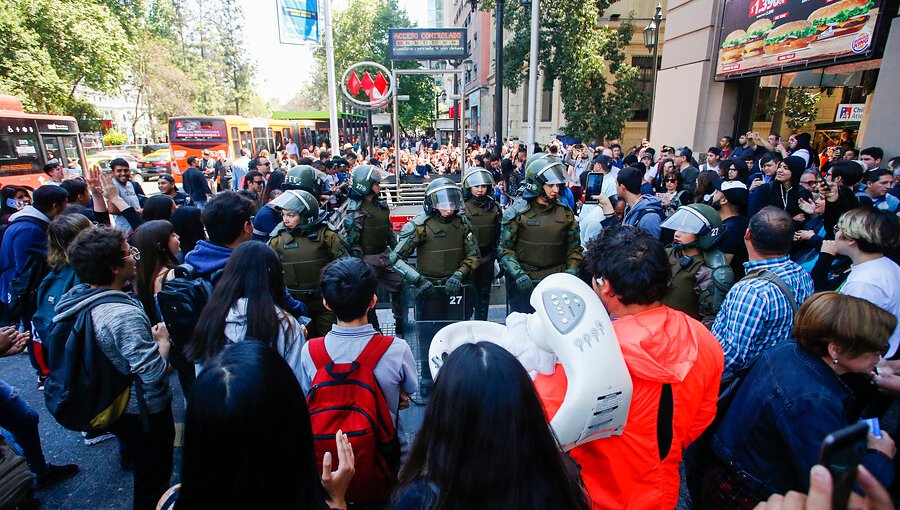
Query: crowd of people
x=765, y=269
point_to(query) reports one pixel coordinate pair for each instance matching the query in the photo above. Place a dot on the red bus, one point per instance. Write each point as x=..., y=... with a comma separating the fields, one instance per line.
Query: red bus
x=30, y=140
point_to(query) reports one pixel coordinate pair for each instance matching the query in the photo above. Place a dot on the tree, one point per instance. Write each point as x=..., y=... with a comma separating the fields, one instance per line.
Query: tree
x=160, y=84
x=800, y=108
x=237, y=69
x=361, y=34
x=597, y=87
x=51, y=47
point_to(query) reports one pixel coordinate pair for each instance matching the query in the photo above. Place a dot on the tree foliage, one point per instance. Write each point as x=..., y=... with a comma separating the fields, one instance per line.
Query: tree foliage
x=361, y=34
x=801, y=106
x=597, y=87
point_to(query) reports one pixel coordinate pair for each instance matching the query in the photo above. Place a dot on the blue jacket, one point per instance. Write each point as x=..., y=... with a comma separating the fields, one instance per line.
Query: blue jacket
x=207, y=258
x=195, y=185
x=265, y=221
x=772, y=432
x=648, y=213
x=25, y=236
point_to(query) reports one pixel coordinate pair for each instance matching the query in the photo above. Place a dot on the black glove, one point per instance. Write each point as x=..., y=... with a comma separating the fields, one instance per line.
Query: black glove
x=524, y=283
x=454, y=283
x=426, y=288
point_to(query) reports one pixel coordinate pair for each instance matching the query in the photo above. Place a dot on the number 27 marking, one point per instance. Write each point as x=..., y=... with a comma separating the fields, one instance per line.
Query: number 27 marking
x=455, y=300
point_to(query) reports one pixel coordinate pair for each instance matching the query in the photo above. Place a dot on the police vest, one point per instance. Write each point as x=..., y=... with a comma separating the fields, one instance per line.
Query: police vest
x=485, y=225
x=681, y=295
x=444, y=247
x=375, y=235
x=303, y=256
x=541, y=237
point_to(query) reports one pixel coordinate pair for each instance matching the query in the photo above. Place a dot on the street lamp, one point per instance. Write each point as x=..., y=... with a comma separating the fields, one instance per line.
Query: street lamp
x=651, y=41
x=498, y=74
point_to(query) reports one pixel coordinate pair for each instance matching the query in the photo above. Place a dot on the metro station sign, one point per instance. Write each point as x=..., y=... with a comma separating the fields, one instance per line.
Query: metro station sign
x=427, y=44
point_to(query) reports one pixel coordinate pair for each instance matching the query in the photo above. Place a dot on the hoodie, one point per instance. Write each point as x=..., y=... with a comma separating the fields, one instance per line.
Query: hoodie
x=660, y=346
x=647, y=213
x=207, y=258
x=122, y=331
x=25, y=236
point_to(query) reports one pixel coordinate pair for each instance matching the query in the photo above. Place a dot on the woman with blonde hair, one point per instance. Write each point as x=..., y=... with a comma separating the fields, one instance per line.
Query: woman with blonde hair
x=793, y=396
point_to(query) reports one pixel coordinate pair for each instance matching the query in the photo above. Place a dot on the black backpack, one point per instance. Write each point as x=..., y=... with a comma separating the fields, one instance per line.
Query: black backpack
x=21, y=296
x=181, y=300
x=84, y=390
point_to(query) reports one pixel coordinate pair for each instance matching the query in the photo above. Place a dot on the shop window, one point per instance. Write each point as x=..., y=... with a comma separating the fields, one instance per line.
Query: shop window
x=853, y=95
x=644, y=65
x=765, y=101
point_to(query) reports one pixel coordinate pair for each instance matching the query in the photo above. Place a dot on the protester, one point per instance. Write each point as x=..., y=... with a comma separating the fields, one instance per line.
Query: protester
x=675, y=195
x=348, y=289
x=864, y=235
x=758, y=312
x=104, y=262
x=878, y=184
x=158, y=207
x=644, y=211
x=730, y=199
x=128, y=191
x=166, y=184
x=667, y=353
x=17, y=417
x=840, y=181
x=14, y=200
x=683, y=162
x=189, y=226
x=195, y=184
x=792, y=398
x=159, y=246
x=249, y=392
x=463, y=458
x=248, y=302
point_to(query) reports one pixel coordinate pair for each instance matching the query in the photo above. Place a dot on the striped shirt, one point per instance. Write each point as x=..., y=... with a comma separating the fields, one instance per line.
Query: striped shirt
x=757, y=315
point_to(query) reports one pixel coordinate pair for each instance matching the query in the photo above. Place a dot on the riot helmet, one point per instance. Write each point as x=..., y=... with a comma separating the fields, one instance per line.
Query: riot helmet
x=302, y=203
x=700, y=220
x=363, y=178
x=444, y=194
x=540, y=169
x=476, y=176
x=306, y=178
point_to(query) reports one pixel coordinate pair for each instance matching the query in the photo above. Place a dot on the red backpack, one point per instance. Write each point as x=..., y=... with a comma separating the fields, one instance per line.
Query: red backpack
x=347, y=397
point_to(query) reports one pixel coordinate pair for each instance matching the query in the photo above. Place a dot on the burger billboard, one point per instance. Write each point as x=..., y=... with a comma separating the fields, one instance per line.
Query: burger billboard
x=773, y=36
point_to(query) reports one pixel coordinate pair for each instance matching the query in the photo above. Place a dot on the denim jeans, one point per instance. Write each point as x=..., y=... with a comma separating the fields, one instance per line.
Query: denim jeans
x=151, y=452
x=21, y=420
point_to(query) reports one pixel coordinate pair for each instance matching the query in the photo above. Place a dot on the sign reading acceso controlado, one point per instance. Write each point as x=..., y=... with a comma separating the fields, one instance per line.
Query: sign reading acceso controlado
x=772, y=36
x=427, y=43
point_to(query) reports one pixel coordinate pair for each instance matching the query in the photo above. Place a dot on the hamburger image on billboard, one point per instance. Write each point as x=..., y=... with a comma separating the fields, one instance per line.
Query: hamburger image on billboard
x=733, y=47
x=756, y=33
x=841, y=18
x=791, y=36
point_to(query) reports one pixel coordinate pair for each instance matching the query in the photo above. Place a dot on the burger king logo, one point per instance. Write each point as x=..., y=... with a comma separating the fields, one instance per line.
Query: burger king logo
x=861, y=42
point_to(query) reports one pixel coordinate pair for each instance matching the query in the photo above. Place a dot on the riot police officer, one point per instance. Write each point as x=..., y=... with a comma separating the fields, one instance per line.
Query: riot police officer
x=483, y=214
x=447, y=254
x=539, y=235
x=701, y=275
x=306, y=178
x=367, y=229
x=306, y=245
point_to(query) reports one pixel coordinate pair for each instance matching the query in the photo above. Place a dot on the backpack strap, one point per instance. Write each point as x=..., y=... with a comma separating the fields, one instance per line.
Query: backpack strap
x=774, y=279
x=664, y=417
x=317, y=352
x=374, y=350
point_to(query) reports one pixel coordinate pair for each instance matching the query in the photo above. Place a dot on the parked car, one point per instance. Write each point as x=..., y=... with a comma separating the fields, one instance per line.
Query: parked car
x=103, y=158
x=151, y=166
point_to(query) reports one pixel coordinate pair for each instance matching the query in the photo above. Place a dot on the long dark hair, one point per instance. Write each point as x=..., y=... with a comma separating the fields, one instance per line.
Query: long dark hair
x=254, y=272
x=152, y=240
x=276, y=180
x=248, y=392
x=189, y=227
x=485, y=442
x=158, y=207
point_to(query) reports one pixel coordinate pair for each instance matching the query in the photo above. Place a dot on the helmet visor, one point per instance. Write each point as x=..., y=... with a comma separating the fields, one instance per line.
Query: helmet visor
x=553, y=174
x=687, y=220
x=376, y=174
x=447, y=199
x=478, y=177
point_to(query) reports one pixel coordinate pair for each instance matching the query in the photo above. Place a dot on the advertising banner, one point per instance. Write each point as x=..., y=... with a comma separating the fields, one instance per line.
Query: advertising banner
x=774, y=36
x=298, y=21
x=427, y=44
x=852, y=112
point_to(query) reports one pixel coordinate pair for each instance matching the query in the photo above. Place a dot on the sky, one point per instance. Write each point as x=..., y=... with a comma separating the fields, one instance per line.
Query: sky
x=282, y=69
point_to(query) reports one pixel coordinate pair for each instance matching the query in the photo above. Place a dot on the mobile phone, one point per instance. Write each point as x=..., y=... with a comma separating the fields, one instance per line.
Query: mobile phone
x=594, y=183
x=841, y=453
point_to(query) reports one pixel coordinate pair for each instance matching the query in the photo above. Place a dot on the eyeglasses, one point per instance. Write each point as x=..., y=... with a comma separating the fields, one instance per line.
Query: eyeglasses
x=258, y=183
x=671, y=180
x=807, y=183
x=134, y=252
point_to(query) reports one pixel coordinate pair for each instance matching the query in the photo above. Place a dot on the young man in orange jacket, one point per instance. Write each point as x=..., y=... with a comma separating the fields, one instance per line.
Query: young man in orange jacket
x=675, y=365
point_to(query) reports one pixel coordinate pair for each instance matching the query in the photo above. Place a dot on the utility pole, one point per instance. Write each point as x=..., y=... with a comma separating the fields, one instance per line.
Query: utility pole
x=332, y=82
x=532, y=75
x=498, y=79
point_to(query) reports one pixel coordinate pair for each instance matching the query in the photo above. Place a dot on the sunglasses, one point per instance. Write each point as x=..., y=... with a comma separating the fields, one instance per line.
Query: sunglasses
x=134, y=252
x=671, y=180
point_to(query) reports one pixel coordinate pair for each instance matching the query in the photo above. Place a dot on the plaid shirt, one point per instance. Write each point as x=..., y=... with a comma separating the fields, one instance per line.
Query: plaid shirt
x=756, y=315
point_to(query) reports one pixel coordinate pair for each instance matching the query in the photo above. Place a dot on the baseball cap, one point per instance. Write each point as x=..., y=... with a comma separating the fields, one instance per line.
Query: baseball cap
x=604, y=160
x=167, y=177
x=735, y=191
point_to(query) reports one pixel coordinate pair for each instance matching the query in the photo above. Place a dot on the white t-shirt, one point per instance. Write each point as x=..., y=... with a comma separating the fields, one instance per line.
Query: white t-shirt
x=877, y=281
